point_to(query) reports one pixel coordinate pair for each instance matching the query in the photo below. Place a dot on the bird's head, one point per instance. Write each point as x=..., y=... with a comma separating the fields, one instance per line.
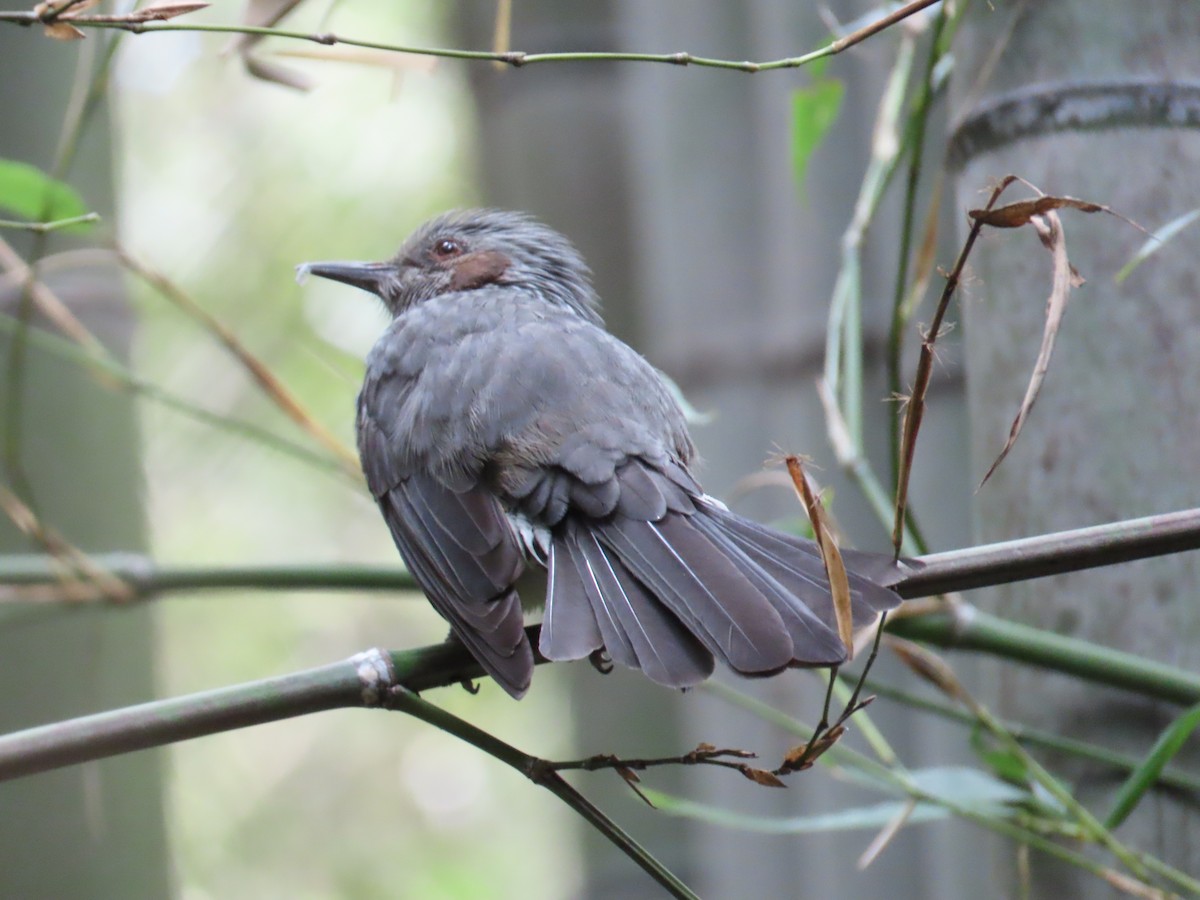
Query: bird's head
x=467, y=250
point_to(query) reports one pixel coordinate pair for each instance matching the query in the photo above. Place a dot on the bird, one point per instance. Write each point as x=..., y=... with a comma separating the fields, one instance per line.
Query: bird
x=500, y=425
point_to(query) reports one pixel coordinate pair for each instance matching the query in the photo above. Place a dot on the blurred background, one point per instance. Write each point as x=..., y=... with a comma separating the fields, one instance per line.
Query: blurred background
x=714, y=254
x=712, y=257
x=679, y=188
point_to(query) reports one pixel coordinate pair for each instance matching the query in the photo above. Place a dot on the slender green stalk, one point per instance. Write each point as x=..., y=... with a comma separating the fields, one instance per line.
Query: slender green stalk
x=973, y=629
x=1149, y=771
x=125, y=378
x=514, y=58
x=541, y=773
x=886, y=151
x=916, y=130
x=842, y=389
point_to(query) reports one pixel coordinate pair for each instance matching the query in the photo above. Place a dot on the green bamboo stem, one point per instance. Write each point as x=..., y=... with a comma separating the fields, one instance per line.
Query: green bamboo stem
x=371, y=680
x=972, y=629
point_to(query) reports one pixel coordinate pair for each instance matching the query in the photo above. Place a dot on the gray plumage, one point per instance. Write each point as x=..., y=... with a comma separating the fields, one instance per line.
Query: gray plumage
x=500, y=423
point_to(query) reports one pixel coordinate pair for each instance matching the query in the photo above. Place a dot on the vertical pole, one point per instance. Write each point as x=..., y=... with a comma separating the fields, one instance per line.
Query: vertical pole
x=1057, y=93
x=95, y=830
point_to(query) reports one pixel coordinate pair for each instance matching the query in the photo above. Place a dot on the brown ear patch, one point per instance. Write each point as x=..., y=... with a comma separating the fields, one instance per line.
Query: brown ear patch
x=477, y=269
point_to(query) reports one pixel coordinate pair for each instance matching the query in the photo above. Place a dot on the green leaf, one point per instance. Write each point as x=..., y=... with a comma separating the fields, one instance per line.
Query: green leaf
x=30, y=193
x=958, y=787
x=969, y=788
x=1144, y=776
x=1156, y=242
x=1003, y=762
x=814, y=110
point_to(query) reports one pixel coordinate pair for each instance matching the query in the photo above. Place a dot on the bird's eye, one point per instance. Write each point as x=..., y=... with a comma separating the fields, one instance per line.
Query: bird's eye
x=446, y=248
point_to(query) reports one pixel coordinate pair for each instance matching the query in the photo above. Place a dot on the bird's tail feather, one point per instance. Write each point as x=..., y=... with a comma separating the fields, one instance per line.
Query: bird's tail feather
x=669, y=596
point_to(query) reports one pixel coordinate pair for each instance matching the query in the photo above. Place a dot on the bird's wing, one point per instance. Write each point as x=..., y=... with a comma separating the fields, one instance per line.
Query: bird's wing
x=458, y=545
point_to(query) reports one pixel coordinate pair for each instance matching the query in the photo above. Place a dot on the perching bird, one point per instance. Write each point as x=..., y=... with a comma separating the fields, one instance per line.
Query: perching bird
x=500, y=423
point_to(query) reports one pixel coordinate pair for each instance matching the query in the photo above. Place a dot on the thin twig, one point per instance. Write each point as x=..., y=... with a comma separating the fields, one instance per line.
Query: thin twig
x=47, y=227
x=261, y=374
x=514, y=58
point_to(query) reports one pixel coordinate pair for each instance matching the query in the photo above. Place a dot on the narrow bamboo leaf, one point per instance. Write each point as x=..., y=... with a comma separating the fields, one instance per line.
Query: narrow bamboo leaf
x=814, y=110
x=1143, y=777
x=958, y=787
x=965, y=787
x=30, y=193
x=871, y=817
x=1156, y=243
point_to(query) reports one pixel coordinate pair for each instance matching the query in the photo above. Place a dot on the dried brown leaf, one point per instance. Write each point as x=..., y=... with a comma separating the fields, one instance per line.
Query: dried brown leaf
x=265, y=14
x=803, y=756
x=1132, y=886
x=63, y=31
x=928, y=665
x=265, y=70
x=502, y=31
x=76, y=565
x=835, y=569
x=1050, y=231
x=886, y=834
x=628, y=774
x=54, y=309
x=53, y=9
x=1022, y=212
x=762, y=776
x=161, y=12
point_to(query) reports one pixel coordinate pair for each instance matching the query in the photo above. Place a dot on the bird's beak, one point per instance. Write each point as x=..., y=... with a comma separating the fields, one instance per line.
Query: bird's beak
x=366, y=275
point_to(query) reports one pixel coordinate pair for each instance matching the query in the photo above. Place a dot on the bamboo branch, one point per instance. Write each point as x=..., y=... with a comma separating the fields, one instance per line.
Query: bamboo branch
x=938, y=573
x=375, y=679
x=327, y=687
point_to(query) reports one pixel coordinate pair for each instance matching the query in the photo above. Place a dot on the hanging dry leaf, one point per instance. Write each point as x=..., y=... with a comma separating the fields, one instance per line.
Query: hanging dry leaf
x=265, y=14
x=835, y=569
x=1050, y=231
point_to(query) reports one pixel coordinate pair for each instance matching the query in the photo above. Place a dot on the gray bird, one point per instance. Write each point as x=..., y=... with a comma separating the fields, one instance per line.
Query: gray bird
x=499, y=423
